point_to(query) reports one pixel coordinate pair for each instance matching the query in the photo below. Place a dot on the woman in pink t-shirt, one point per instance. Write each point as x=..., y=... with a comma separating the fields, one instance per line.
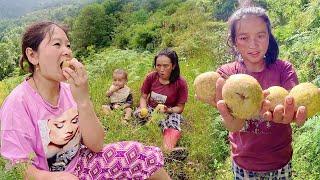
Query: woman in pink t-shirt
x=56, y=122
x=260, y=148
x=165, y=86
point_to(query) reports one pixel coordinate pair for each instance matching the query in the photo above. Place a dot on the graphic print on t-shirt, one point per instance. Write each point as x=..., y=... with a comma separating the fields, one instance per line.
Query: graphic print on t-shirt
x=60, y=138
x=257, y=126
x=158, y=98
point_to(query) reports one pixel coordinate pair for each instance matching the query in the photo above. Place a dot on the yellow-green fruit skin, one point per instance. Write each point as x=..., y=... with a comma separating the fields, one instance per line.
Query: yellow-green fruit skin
x=144, y=112
x=243, y=95
x=205, y=86
x=306, y=94
x=276, y=96
x=159, y=107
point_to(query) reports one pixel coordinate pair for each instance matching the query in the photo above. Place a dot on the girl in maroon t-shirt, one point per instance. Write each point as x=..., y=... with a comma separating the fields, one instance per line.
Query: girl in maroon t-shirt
x=165, y=86
x=261, y=148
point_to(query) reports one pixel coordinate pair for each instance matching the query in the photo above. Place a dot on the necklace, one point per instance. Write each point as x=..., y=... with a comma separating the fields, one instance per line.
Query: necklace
x=35, y=84
x=43, y=99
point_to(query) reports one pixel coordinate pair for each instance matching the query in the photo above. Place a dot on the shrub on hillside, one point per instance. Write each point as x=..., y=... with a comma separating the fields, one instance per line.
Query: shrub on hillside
x=145, y=38
x=7, y=60
x=223, y=9
x=92, y=27
x=306, y=159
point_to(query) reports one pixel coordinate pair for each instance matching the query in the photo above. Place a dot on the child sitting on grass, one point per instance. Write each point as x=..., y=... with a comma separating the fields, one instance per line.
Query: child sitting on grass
x=120, y=94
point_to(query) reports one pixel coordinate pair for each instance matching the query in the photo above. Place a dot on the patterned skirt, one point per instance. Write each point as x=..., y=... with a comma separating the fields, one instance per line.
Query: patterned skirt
x=172, y=120
x=121, y=160
x=284, y=173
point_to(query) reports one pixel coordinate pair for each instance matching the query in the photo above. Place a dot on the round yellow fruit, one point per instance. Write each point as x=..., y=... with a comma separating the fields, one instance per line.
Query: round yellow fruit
x=243, y=95
x=306, y=94
x=160, y=107
x=205, y=86
x=277, y=96
x=144, y=112
x=65, y=64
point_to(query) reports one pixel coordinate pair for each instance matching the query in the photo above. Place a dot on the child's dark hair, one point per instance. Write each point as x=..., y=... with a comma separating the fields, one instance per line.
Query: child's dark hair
x=273, y=48
x=172, y=55
x=32, y=38
x=122, y=72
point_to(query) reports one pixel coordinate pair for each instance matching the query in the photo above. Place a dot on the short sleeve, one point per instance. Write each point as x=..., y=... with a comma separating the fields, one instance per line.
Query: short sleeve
x=182, y=91
x=288, y=76
x=147, y=83
x=229, y=69
x=17, y=133
x=16, y=146
x=223, y=72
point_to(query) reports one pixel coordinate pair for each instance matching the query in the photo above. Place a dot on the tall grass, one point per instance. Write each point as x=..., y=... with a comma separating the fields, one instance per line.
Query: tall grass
x=203, y=134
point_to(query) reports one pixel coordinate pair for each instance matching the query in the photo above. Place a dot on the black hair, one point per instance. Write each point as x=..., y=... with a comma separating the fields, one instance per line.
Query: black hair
x=32, y=38
x=172, y=55
x=273, y=49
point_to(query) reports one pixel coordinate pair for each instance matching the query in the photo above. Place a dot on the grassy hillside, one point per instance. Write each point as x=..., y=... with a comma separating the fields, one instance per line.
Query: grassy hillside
x=203, y=133
x=193, y=30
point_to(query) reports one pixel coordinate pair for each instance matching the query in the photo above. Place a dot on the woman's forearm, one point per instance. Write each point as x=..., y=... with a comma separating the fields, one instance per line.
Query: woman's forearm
x=90, y=127
x=32, y=173
x=143, y=101
x=176, y=109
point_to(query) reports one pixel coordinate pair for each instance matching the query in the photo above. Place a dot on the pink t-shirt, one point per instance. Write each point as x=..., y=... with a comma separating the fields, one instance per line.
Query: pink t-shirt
x=170, y=94
x=262, y=145
x=31, y=125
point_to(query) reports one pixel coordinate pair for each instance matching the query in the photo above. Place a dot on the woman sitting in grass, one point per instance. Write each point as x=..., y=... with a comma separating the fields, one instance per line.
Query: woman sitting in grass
x=165, y=90
x=56, y=121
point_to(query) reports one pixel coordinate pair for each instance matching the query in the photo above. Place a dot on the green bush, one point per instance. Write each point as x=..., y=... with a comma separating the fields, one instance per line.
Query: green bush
x=92, y=27
x=145, y=38
x=7, y=60
x=306, y=159
x=223, y=9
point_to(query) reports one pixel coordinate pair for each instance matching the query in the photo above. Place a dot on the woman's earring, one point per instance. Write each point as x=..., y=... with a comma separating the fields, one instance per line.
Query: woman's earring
x=37, y=67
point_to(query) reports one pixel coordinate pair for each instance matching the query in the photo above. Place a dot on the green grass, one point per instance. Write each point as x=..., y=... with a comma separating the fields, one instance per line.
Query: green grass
x=203, y=133
x=306, y=159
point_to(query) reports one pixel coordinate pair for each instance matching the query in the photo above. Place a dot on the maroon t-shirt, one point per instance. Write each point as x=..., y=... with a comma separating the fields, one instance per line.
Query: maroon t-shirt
x=262, y=145
x=170, y=94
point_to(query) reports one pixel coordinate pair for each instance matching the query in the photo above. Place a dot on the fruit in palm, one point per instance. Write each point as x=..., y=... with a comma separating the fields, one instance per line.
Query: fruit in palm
x=205, y=86
x=65, y=64
x=277, y=96
x=306, y=94
x=159, y=108
x=243, y=95
x=144, y=112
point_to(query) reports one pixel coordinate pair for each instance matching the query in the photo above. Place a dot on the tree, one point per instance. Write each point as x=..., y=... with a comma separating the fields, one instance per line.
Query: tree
x=7, y=62
x=92, y=27
x=223, y=9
